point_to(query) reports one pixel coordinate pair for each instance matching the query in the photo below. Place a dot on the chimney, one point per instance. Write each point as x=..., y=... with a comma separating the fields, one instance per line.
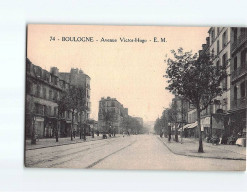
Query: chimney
x=54, y=71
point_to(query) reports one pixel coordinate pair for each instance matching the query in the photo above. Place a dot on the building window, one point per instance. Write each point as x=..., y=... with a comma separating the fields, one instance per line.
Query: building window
x=38, y=91
x=50, y=94
x=235, y=34
x=55, y=111
x=224, y=60
x=242, y=89
x=44, y=93
x=45, y=109
x=243, y=58
x=224, y=39
x=212, y=36
x=39, y=109
x=235, y=63
x=55, y=96
x=225, y=83
x=235, y=93
x=218, y=30
x=49, y=110
x=218, y=47
x=242, y=31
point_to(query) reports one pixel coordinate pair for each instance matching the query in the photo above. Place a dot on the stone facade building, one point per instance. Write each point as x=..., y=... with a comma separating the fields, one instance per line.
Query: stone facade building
x=238, y=95
x=78, y=78
x=227, y=115
x=116, y=113
x=220, y=48
x=43, y=91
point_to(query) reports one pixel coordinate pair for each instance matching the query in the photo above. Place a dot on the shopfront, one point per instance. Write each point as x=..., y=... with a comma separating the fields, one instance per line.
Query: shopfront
x=39, y=126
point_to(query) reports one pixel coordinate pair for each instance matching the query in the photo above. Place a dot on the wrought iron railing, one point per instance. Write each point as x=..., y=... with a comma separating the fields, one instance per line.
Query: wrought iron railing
x=241, y=39
x=239, y=71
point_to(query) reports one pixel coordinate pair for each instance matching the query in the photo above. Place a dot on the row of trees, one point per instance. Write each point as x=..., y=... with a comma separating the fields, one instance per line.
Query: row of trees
x=196, y=79
x=172, y=116
x=132, y=124
x=73, y=101
x=127, y=124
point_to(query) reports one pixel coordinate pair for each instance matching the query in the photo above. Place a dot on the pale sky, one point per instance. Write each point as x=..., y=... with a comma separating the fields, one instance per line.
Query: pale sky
x=131, y=72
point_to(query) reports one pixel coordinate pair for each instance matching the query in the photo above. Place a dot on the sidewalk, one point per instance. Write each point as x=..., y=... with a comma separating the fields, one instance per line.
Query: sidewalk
x=189, y=147
x=51, y=142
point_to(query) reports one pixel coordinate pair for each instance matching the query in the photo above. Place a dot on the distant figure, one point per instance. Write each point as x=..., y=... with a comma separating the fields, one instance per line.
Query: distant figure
x=123, y=133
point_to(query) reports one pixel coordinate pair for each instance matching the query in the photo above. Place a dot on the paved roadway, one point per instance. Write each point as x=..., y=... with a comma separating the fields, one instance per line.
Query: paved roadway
x=129, y=152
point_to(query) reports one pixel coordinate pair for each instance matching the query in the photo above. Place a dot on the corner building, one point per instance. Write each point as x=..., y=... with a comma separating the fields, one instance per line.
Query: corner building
x=119, y=112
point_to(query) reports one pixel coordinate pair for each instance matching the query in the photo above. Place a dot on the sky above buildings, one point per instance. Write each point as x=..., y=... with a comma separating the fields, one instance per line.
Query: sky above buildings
x=132, y=72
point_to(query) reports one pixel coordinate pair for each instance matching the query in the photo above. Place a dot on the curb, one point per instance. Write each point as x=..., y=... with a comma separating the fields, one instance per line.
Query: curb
x=65, y=144
x=189, y=155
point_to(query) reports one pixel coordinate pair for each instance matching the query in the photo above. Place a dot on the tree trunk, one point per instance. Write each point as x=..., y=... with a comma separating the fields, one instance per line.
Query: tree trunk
x=80, y=131
x=57, y=130
x=71, y=132
x=33, y=132
x=176, y=133
x=200, y=149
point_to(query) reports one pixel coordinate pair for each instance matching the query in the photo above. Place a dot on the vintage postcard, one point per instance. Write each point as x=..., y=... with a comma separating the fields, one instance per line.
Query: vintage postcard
x=136, y=97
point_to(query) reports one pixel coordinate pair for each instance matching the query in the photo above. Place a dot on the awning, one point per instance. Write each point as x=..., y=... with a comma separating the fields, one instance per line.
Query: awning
x=192, y=125
x=185, y=126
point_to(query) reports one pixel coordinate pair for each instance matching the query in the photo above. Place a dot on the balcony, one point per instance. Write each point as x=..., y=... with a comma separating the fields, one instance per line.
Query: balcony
x=239, y=103
x=241, y=71
x=241, y=39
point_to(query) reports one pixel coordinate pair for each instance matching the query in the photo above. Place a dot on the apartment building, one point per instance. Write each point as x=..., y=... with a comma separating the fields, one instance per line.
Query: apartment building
x=111, y=115
x=43, y=91
x=238, y=96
